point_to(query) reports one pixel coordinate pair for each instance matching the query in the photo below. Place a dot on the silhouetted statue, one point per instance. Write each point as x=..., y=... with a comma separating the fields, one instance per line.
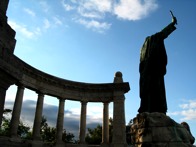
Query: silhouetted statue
x=192, y=138
x=3, y=6
x=152, y=68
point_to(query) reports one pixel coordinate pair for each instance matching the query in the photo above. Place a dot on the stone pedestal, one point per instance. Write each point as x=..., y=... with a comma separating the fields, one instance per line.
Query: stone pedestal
x=157, y=129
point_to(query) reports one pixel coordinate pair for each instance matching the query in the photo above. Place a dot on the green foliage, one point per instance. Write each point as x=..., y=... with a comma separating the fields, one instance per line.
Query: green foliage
x=128, y=132
x=68, y=137
x=23, y=129
x=94, y=136
x=4, y=131
x=48, y=134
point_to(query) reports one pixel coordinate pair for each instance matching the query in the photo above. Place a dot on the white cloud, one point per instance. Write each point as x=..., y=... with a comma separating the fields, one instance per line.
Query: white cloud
x=24, y=30
x=189, y=114
x=91, y=12
x=37, y=31
x=184, y=106
x=45, y=6
x=104, y=5
x=134, y=9
x=66, y=6
x=193, y=104
x=125, y=9
x=57, y=21
x=21, y=29
x=95, y=25
x=96, y=5
x=188, y=111
x=46, y=24
x=30, y=12
x=94, y=8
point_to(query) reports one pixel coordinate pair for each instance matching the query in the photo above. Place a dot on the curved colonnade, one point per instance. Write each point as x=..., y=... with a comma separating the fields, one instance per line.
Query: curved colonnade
x=15, y=71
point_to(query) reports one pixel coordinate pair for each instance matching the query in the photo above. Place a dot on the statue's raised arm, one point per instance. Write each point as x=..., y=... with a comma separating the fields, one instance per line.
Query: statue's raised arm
x=169, y=28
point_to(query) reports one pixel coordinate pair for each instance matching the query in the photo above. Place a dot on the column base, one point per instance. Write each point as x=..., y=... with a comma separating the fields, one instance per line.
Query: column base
x=15, y=139
x=105, y=145
x=37, y=143
x=119, y=145
x=60, y=144
x=83, y=145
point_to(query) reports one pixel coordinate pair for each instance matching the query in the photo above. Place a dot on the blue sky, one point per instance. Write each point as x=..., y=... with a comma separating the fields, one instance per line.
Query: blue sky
x=89, y=40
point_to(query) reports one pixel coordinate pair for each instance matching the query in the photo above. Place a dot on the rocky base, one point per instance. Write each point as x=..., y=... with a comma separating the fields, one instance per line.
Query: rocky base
x=158, y=130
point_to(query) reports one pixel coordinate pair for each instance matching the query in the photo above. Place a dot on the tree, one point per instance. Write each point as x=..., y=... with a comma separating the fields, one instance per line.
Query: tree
x=94, y=136
x=128, y=132
x=23, y=129
x=67, y=137
x=48, y=134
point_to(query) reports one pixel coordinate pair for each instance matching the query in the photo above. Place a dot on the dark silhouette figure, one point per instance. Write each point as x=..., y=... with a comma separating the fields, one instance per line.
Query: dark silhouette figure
x=152, y=68
x=186, y=125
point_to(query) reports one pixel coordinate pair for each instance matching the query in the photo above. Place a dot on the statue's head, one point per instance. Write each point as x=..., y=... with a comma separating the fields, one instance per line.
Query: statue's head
x=186, y=125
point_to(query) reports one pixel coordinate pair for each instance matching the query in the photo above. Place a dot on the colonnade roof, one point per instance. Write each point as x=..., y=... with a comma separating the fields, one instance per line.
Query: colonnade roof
x=42, y=82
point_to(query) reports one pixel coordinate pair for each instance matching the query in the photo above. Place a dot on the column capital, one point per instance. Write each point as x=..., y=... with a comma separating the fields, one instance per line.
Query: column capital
x=40, y=92
x=20, y=85
x=106, y=103
x=61, y=99
x=84, y=101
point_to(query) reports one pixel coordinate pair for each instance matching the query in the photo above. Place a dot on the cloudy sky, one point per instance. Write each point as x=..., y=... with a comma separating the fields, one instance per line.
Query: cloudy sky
x=89, y=40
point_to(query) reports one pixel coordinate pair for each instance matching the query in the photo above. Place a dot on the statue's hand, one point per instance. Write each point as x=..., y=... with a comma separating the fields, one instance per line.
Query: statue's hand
x=174, y=20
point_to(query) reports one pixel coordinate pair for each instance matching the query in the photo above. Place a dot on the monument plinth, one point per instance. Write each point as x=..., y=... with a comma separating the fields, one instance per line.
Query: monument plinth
x=158, y=130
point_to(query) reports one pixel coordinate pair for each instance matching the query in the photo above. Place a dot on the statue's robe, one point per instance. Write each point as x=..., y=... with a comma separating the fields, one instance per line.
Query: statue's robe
x=152, y=68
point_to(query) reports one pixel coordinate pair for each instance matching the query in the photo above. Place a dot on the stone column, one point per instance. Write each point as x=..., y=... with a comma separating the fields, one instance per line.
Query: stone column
x=105, y=129
x=60, y=121
x=5, y=82
x=119, y=131
x=16, y=111
x=119, y=126
x=38, y=117
x=82, y=123
x=2, y=102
